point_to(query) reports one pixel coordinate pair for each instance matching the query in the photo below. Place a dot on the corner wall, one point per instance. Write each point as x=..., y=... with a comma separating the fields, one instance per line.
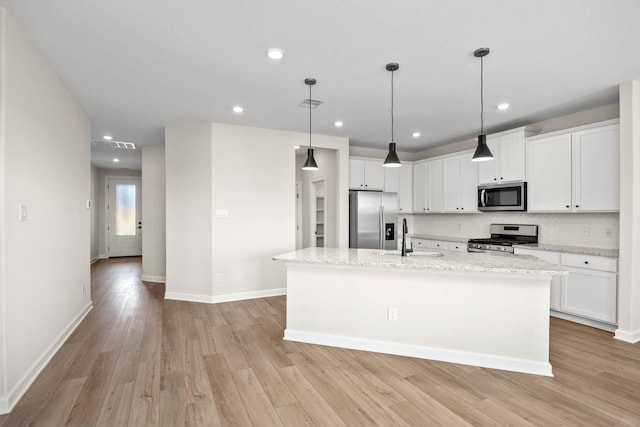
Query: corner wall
x=44, y=263
x=231, y=208
x=153, y=214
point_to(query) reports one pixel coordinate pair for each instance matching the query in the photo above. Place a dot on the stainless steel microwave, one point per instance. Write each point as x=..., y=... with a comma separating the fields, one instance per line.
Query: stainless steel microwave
x=502, y=197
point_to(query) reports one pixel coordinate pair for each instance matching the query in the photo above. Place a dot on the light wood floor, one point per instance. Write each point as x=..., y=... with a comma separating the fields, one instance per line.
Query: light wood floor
x=139, y=360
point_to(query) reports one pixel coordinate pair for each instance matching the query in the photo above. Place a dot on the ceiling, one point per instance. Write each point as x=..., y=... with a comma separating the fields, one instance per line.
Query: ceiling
x=140, y=66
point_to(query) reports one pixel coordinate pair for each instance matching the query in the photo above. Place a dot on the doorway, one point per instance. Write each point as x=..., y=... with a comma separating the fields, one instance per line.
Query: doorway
x=317, y=209
x=124, y=217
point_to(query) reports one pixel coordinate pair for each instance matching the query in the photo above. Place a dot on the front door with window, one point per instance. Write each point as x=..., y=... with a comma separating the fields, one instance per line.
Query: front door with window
x=125, y=217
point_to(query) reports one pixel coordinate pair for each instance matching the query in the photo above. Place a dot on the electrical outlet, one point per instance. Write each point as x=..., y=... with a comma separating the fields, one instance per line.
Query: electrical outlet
x=219, y=277
x=586, y=231
x=608, y=232
x=392, y=315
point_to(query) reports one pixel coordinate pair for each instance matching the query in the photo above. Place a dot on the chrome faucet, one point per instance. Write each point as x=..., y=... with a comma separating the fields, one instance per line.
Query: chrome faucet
x=405, y=230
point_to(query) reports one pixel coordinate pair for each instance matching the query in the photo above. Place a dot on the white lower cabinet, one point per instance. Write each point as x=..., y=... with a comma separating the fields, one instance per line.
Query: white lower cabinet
x=591, y=289
x=443, y=245
x=589, y=294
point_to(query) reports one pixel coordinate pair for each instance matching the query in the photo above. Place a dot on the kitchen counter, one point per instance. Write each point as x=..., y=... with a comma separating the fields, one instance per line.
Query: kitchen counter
x=580, y=250
x=443, y=238
x=433, y=260
x=480, y=309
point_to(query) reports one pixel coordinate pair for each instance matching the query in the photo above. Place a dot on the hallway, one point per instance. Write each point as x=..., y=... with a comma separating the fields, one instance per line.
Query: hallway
x=140, y=360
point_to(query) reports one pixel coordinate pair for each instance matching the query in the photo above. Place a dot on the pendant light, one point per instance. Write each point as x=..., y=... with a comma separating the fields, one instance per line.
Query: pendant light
x=310, y=164
x=482, y=151
x=392, y=160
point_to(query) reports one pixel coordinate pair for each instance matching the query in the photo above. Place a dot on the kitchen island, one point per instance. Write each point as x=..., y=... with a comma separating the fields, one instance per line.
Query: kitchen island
x=489, y=310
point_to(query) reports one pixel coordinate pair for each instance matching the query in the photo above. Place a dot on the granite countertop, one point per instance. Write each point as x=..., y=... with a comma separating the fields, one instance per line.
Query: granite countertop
x=579, y=250
x=444, y=238
x=434, y=260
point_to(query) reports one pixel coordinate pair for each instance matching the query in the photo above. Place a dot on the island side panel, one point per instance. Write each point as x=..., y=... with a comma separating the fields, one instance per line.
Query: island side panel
x=492, y=320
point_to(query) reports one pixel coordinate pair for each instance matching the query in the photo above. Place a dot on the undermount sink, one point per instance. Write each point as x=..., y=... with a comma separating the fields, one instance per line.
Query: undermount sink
x=410, y=254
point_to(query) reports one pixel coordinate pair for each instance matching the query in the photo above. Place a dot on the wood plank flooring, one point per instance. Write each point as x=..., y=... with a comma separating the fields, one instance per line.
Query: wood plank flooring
x=138, y=360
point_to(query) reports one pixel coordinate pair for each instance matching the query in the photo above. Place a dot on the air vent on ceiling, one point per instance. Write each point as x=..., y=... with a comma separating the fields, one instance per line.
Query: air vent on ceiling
x=115, y=144
x=313, y=103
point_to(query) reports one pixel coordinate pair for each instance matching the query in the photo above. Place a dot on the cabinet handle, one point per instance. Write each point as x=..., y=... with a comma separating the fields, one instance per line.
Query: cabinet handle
x=400, y=209
x=577, y=206
x=568, y=206
x=457, y=209
x=495, y=179
x=461, y=209
x=586, y=262
x=501, y=178
x=366, y=185
x=424, y=209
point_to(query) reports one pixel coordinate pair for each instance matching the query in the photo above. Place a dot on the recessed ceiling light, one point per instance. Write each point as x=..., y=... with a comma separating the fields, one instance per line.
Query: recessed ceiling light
x=116, y=160
x=297, y=147
x=503, y=106
x=338, y=124
x=238, y=109
x=108, y=137
x=275, y=53
x=415, y=134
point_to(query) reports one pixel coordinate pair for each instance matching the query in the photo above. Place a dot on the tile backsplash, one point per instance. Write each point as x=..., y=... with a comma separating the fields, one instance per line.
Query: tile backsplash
x=600, y=230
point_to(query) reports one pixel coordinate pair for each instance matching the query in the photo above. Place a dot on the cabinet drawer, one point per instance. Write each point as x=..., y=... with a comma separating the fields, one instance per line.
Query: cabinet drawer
x=438, y=244
x=420, y=244
x=590, y=262
x=457, y=246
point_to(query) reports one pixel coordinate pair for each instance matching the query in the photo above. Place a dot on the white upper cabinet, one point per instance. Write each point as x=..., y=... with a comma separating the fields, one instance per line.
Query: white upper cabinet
x=400, y=180
x=596, y=169
x=427, y=186
x=460, y=184
x=508, y=162
x=575, y=170
x=549, y=174
x=366, y=175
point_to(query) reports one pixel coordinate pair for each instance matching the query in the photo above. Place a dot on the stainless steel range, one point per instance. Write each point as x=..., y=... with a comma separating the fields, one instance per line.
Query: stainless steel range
x=504, y=237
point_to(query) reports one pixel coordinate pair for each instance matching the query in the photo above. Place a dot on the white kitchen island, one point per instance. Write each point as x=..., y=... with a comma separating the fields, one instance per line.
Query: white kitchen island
x=489, y=310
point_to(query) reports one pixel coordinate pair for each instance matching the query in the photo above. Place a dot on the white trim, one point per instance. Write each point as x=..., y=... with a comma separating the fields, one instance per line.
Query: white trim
x=94, y=260
x=422, y=352
x=583, y=321
x=156, y=279
x=7, y=402
x=626, y=336
x=214, y=299
x=107, y=189
x=103, y=256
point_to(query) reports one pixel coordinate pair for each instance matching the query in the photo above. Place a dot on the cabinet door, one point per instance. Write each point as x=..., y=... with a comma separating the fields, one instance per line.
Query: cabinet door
x=451, y=184
x=373, y=175
x=549, y=174
x=392, y=179
x=488, y=170
x=419, y=187
x=405, y=188
x=456, y=247
x=596, y=173
x=468, y=184
x=511, y=157
x=434, y=186
x=356, y=174
x=591, y=294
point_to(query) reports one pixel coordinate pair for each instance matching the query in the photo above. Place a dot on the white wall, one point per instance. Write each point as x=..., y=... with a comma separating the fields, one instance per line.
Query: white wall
x=101, y=204
x=629, y=269
x=250, y=174
x=153, y=213
x=45, y=166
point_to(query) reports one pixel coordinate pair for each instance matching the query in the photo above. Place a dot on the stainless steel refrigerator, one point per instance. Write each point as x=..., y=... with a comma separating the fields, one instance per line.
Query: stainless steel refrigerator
x=372, y=219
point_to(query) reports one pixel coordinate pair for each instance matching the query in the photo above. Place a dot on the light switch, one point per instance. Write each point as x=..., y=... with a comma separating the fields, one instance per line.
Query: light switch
x=222, y=213
x=22, y=212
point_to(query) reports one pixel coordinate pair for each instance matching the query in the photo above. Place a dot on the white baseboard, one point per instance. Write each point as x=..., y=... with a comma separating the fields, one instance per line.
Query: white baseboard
x=214, y=299
x=155, y=279
x=8, y=401
x=583, y=321
x=422, y=352
x=630, y=337
x=103, y=256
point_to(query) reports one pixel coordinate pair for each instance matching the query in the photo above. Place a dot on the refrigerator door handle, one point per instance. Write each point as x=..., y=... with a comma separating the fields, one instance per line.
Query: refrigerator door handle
x=381, y=227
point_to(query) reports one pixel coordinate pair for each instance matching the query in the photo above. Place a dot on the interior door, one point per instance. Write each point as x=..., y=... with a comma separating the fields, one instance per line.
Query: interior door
x=124, y=211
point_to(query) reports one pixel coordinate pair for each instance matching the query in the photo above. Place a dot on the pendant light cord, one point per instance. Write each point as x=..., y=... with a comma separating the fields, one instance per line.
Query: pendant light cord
x=309, y=116
x=482, y=95
x=392, y=106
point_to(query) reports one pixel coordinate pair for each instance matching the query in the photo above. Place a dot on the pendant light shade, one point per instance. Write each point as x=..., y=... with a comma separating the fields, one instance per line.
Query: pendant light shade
x=392, y=159
x=482, y=151
x=310, y=164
